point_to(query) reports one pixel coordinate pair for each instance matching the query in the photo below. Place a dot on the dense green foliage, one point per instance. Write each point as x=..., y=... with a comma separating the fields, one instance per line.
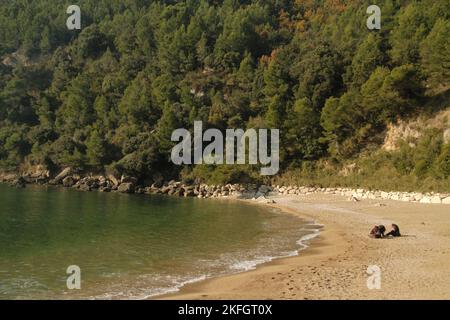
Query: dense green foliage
x=110, y=95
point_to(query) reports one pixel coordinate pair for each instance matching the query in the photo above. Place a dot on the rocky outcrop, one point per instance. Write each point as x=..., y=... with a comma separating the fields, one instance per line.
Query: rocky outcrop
x=126, y=187
x=38, y=174
x=8, y=177
x=18, y=183
x=113, y=180
x=68, y=181
x=128, y=179
x=61, y=176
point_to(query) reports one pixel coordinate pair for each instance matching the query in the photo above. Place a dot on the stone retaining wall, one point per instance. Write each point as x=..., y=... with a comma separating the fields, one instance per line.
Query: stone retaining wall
x=250, y=191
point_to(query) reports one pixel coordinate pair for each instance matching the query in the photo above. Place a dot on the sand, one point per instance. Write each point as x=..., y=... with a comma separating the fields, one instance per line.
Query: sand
x=334, y=266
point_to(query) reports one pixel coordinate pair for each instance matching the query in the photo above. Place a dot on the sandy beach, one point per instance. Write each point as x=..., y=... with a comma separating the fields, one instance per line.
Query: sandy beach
x=334, y=266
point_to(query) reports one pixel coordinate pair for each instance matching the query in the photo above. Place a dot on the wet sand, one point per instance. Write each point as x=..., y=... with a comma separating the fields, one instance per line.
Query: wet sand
x=415, y=266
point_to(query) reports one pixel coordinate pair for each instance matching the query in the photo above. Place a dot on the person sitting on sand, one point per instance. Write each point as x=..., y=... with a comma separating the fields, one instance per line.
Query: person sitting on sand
x=382, y=230
x=395, y=232
x=377, y=232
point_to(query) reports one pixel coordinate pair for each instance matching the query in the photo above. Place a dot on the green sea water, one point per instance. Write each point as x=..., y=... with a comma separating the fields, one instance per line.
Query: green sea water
x=131, y=246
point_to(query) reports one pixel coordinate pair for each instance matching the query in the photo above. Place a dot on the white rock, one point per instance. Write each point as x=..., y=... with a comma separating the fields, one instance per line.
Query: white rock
x=418, y=196
x=446, y=200
x=425, y=200
x=436, y=199
x=394, y=196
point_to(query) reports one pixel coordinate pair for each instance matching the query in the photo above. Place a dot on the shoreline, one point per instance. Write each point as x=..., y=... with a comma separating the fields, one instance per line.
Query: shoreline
x=335, y=265
x=308, y=245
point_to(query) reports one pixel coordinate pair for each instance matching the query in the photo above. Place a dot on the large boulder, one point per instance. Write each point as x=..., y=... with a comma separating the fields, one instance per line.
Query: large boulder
x=166, y=189
x=68, y=181
x=128, y=179
x=63, y=174
x=113, y=179
x=126, y=187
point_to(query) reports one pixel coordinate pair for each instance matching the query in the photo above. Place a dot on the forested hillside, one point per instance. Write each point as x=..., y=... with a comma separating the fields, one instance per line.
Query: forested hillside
x=108, y=96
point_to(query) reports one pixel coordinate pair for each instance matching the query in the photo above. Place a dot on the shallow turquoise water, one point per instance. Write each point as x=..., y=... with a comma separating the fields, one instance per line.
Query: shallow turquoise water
x=130, y=246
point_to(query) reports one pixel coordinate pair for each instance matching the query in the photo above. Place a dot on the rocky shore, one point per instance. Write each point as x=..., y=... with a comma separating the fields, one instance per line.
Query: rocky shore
x=261, y=193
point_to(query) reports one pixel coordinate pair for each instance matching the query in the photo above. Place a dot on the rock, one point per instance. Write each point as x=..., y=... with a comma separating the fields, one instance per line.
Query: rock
x=19, y=183
x=189, y=193
x=68, y=182
x=102, y=181
x=406, y=198
x=259, y=194
x=446, y=200
x=166, y=190
x=91, y=182
x=63, y=174
x=104, y=189
x=436, y=199
x=447, y=136
x=371, y=195
x=264, y=189
x=84, y=187
x=139, y=190
x=7, y=177
x=126, y=187
x=36, y=174
x=127, y=179
x=113, y=179
x=425, y=199
x=418, y=196
x=157, y=184
x=394, y=196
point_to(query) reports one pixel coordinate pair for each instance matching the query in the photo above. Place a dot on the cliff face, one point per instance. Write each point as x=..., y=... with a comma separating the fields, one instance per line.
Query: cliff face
x=411, y=131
